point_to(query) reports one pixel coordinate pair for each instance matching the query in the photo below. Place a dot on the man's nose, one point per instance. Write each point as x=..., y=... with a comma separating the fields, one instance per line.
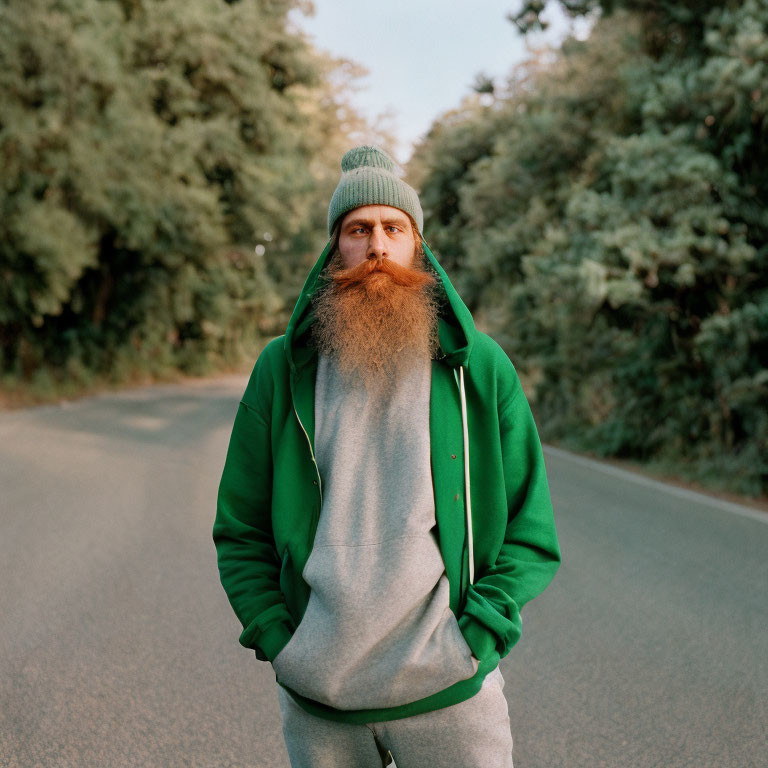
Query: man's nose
x=377, y=244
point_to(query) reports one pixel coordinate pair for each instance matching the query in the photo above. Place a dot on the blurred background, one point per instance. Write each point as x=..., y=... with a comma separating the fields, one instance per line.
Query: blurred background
x=593, y=176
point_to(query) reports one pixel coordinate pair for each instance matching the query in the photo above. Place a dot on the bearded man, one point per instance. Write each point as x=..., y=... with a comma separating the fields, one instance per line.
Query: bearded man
x=384, y=511
x=377, y=315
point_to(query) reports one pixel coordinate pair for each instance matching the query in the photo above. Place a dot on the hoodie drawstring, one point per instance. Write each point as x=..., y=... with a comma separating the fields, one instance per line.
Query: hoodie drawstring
x=467, y=493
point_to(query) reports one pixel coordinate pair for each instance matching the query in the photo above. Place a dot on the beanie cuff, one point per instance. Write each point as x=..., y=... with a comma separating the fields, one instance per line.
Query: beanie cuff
x=368, y=178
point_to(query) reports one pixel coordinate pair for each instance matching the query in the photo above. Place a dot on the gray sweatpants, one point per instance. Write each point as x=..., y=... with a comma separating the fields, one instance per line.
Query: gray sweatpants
x=474, y=733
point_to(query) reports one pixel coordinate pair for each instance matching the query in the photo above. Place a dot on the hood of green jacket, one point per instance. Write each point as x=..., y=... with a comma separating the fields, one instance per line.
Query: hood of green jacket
x=456, y=328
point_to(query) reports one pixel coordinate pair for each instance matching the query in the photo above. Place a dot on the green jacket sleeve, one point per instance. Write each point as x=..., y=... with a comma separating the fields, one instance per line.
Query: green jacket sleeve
x=249, y=566
x=530, y=554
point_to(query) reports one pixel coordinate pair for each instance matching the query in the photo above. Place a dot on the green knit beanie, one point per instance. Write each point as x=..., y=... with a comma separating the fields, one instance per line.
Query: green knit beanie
x=368, y=178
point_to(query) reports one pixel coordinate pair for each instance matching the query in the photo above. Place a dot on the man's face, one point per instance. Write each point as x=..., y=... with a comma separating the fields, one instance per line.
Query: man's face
x=377, y=314
x=376, y=232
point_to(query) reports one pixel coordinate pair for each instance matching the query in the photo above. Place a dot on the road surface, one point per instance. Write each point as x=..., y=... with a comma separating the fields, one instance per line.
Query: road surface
x=118, y=646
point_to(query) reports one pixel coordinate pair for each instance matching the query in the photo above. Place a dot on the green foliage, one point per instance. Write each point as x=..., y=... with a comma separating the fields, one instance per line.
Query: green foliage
x=608, y=215
x=160, y=158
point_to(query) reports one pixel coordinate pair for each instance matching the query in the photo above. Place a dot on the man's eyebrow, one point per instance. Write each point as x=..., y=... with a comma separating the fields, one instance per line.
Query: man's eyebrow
x=389, y=220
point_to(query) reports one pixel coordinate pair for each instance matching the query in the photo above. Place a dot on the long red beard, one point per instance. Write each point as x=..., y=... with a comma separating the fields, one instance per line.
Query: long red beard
x=376, y=318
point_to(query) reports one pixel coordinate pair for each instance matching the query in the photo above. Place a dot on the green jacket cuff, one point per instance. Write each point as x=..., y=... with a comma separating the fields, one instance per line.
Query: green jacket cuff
x=268, y=635
x=479, y=638
x=274, y=639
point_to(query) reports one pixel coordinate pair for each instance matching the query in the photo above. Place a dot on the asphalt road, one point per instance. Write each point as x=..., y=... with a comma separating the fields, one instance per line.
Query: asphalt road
x=118, y=646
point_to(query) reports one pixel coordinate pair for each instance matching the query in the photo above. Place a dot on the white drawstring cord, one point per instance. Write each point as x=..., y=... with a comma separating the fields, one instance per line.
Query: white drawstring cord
x=466, y=475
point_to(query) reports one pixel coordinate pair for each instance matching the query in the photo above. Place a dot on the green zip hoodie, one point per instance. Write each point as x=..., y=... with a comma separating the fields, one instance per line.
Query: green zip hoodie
x=495, y=522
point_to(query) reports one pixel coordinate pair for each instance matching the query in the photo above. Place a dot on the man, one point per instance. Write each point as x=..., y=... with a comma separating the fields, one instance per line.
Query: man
x=384, y=512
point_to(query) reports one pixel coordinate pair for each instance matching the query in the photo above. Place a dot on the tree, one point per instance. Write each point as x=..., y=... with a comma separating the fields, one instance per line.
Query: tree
x=609, y=223
x=157, y=155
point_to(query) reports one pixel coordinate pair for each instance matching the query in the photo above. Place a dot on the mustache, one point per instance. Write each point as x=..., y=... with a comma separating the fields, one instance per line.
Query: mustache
x=360, y=273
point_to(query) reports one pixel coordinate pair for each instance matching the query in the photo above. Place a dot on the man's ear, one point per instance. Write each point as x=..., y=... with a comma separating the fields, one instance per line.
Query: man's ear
x=335, y=236
x=414, y=228
x=418, y=250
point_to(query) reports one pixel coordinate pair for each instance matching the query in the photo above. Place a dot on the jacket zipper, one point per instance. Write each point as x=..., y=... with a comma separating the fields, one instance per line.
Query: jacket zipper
x=309, y=442
x=467, y=491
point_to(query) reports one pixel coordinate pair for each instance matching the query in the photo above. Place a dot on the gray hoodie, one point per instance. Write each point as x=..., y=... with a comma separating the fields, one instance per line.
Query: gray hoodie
x=378, y=585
